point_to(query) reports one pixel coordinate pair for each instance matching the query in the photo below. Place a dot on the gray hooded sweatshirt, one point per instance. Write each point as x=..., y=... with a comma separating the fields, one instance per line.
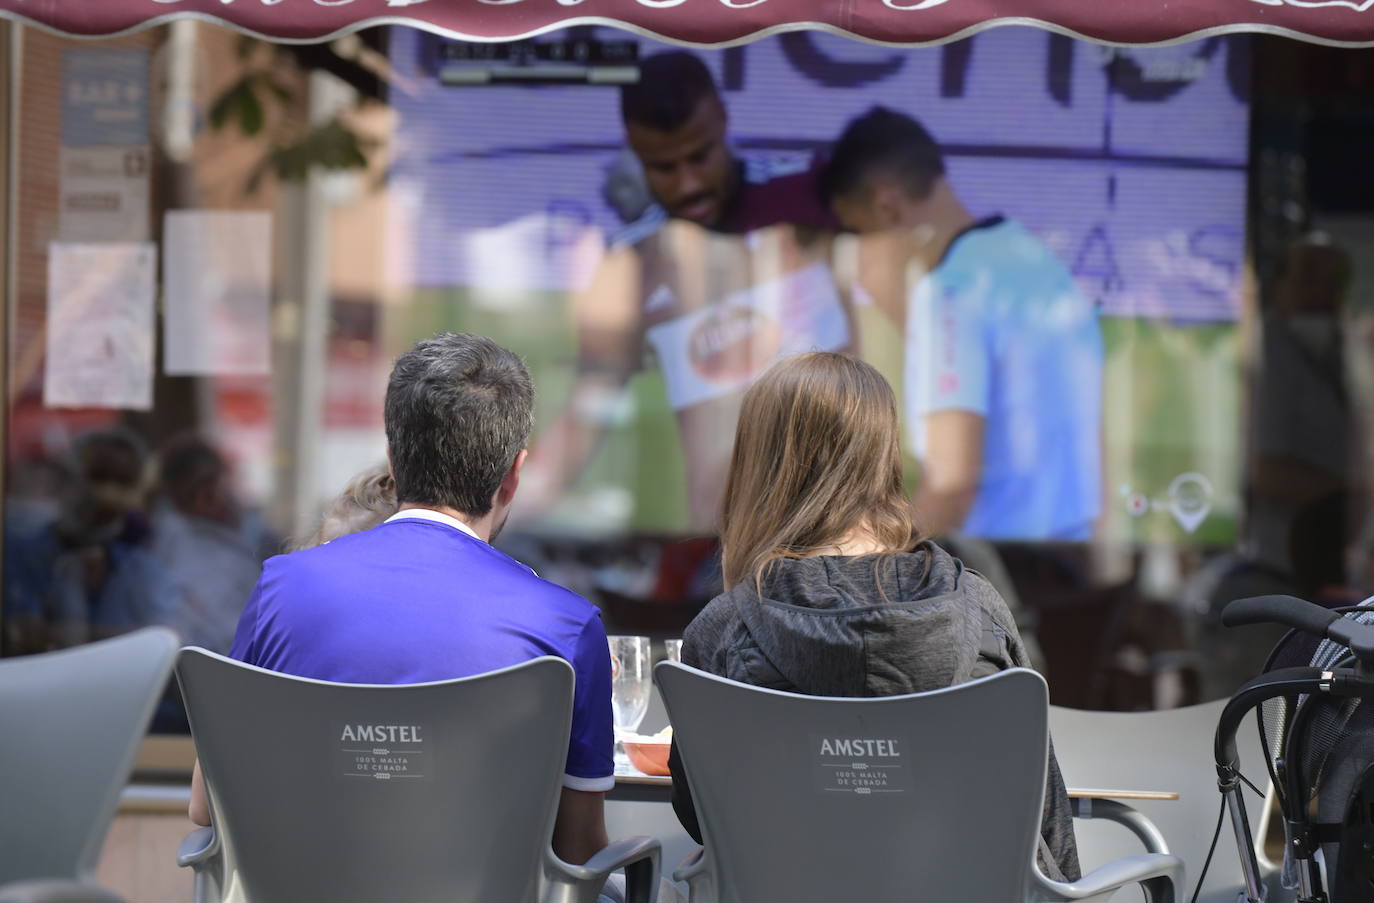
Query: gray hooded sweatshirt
x=823, y=628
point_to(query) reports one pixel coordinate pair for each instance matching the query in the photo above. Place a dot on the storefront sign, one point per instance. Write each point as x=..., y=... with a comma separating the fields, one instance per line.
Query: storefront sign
x=104, y=186
x=104, y=98
x=104, y=194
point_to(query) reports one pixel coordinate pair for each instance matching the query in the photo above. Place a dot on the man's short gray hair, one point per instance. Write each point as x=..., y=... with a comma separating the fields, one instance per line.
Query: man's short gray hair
x=459, y=408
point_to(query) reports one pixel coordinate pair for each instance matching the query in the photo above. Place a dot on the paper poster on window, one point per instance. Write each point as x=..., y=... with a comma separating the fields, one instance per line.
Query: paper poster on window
x=105, y=94
x=217, y=273
x=104, y=159
x=104, y=194
x=100, y=326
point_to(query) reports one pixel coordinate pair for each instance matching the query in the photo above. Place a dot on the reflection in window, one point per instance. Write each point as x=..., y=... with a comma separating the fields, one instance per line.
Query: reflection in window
x=1117, y=318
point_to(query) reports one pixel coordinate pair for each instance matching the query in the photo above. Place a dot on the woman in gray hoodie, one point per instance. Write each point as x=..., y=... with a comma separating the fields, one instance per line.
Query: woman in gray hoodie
x=834, y=593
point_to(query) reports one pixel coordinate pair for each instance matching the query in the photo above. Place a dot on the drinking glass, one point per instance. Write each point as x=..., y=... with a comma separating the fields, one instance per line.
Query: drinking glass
x=629, y=686
x=673, y=650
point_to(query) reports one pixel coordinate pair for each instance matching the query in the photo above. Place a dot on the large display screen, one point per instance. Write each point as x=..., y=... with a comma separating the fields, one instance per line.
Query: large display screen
x=1125, y=168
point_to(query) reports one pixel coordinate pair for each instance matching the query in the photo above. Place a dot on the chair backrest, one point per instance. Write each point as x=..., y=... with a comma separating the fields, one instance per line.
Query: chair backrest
x=931, y=796
x=70, y=726
x=1164, y=750
x=441, y=791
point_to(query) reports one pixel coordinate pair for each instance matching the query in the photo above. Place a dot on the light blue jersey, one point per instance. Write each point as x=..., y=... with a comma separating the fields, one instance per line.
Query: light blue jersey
x=998, y=328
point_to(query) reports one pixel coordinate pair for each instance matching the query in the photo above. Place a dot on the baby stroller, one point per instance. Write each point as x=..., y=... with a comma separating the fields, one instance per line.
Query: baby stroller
x=1318, y=734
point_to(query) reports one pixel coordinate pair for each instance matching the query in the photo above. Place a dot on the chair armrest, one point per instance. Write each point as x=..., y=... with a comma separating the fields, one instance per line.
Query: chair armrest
x=202, y=851
x=56, y=891
x=1132, y=819
x=691, y=866
x=639, y=856
x=1160, y=876
x=614, y=856
x=198, y=848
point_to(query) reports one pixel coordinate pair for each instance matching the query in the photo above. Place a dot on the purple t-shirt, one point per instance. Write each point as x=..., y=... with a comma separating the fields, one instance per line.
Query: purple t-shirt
x=420, y=599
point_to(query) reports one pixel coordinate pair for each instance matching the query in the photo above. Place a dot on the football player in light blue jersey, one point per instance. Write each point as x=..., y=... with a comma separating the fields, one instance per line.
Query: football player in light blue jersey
x=1003, y=353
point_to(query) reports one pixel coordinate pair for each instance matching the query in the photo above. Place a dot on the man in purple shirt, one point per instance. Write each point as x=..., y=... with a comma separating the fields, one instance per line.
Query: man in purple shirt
x=424, y=596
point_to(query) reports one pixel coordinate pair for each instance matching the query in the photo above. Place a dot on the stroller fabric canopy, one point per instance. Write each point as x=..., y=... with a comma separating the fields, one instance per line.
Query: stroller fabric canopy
x=717, y=22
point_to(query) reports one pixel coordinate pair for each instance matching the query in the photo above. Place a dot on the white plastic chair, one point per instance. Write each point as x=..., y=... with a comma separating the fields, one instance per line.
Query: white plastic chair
x=425, y=793
x=1168, y=750
x=70, y=726
x=931, y=796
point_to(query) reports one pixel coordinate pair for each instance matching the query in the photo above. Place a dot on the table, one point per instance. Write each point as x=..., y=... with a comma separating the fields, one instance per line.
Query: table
x=1083, y=793
x=630, y=786
x=637, y=786
x=639, y=804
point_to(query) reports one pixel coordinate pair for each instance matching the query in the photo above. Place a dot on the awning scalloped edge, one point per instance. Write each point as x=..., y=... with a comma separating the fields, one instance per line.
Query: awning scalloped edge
x=1363, y=38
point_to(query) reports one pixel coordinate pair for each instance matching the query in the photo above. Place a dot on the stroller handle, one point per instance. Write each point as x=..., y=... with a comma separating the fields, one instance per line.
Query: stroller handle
x=1339, y=682
x=1287, y=610
x=1307, y=617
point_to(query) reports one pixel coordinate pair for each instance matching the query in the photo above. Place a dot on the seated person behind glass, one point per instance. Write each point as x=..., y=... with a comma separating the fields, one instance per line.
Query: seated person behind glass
x=209, y=544
x=367, y=500
x=89, y=573
x=815, y=516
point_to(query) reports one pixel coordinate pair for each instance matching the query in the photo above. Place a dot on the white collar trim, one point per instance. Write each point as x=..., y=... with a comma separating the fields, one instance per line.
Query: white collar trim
x=437, y=517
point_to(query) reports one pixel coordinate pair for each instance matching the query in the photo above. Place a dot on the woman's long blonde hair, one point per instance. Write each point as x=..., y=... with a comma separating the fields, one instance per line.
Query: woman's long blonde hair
x=817, y=458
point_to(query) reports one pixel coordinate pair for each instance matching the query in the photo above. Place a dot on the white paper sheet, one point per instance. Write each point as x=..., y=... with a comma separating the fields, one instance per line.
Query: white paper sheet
x=217, y=274
x=100, y=326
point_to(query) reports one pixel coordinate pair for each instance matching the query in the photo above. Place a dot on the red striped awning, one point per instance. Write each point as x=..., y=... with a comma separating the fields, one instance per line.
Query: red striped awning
x=715, y=22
